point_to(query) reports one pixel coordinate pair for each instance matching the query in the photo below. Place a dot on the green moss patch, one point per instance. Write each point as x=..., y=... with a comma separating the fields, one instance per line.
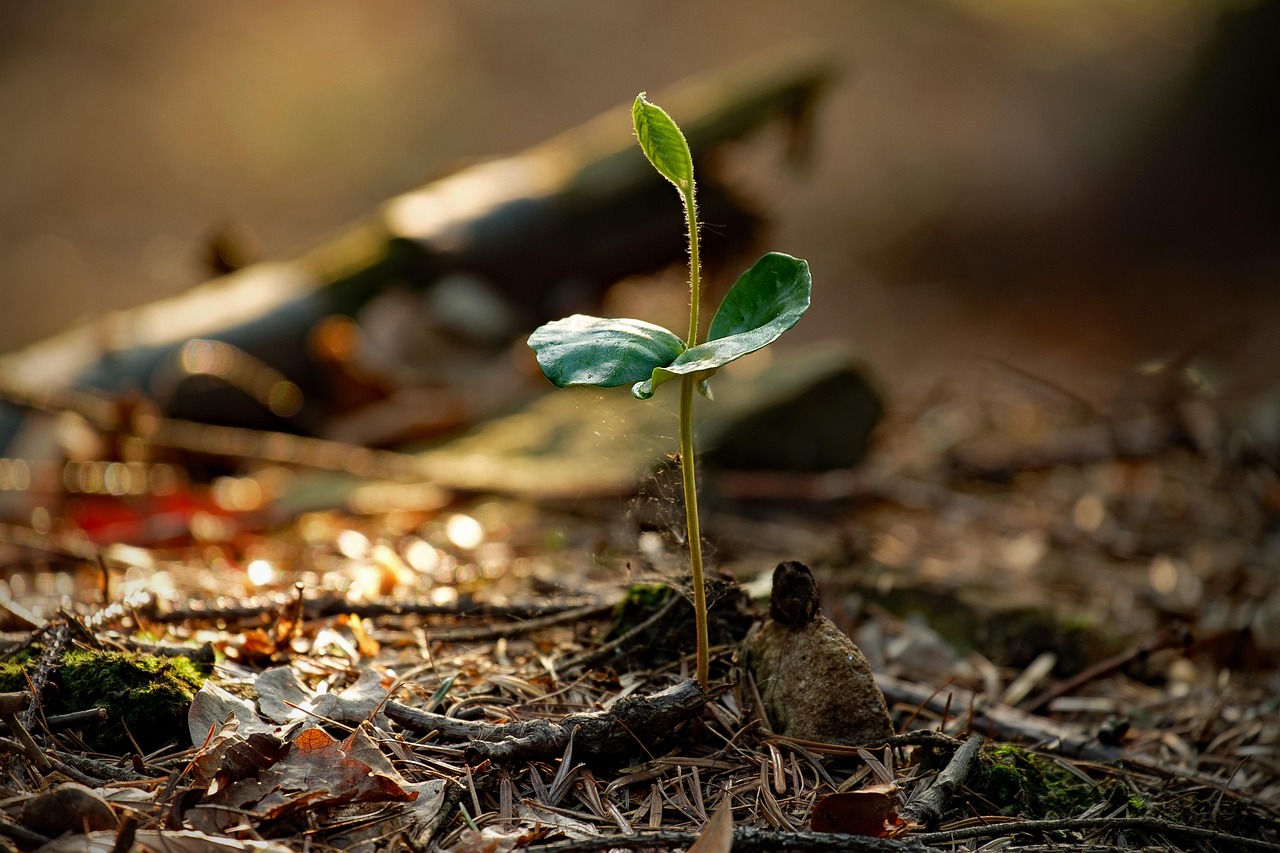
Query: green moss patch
x=1021, y=784
x=148, y=694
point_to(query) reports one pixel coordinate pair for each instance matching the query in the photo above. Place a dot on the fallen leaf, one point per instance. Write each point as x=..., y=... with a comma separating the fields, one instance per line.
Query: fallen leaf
x=213, y=707
x=487, y=840
x=717, y=835
x=230, y=757
x=319, y=771
x=871, y=811
x=70, y=807
x=152, y=841
x=283, y=698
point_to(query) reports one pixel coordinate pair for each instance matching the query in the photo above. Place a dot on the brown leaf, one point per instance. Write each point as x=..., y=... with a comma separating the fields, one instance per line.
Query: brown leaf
x=319, y=771
x=872, y=811
x=342, y=771
x=717, y=835
x=151, y=841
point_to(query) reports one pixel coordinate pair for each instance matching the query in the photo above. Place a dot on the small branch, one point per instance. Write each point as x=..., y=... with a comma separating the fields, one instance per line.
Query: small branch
x=1080, y=824
x=316, y=608
x=590, y=656
x=515, y=629
x=1169, y=637
x=926, y=803
x=55, y=640
x=100, y=770
x=746, y=839
x=1003, y=722
x=597, y=734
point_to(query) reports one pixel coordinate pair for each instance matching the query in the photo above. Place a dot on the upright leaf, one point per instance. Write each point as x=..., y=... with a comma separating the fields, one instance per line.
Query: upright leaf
x=663, y=143
x=766, y=301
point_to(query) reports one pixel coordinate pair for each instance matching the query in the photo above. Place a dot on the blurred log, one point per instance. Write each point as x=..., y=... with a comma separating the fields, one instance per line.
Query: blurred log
x=545, y=229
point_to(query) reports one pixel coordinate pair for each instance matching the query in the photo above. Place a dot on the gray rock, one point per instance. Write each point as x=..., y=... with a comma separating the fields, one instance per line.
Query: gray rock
x=814, y=682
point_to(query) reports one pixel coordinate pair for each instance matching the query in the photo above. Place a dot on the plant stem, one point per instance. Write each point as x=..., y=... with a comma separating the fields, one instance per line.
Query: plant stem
x=695, y=531
x=695, y=266
x=687, y=463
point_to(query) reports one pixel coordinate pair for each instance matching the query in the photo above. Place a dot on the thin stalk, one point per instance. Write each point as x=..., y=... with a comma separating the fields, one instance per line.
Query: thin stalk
x=695, y=266
x=687, y=462
x=695, y=531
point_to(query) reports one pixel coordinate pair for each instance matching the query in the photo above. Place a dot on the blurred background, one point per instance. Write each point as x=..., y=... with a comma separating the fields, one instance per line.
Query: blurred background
x=1074, y=188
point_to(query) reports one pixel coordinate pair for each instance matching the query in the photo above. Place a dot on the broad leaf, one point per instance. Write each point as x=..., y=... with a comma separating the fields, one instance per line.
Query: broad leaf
x=663, y=143
x=765, y=301
x=582, y=350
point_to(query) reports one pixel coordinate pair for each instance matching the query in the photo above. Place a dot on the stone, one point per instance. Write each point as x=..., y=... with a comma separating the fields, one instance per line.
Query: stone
x=814, y=682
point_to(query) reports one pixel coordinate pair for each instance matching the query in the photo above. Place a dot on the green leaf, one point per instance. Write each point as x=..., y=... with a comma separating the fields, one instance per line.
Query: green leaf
x=582, y=350
x=764, y=302
x=663, y=143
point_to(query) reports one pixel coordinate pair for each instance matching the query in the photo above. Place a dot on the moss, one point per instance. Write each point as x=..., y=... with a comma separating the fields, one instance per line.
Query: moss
x=13, y=676
x=641, y=601
x=150, y=694
x=1021, y=784
x=729, y=616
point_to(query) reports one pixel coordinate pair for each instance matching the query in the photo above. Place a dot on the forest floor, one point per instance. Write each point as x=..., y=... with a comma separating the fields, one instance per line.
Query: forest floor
x=1086, y=599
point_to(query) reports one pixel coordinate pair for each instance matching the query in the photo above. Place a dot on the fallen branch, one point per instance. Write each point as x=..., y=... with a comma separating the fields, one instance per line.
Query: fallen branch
x=1002, y=722
x=597, y=735
x=927, y=802
x=1080, y=824
x=589, y=657
x=1172, y=636
x=746, y=839
x=468, y=633
x=318, y=608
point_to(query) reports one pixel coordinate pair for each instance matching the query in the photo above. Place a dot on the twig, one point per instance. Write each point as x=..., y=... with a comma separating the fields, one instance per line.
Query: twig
x=1005, y=723
x=75, y=719
x=101, y=770
x=72, y=773
x=1166, y=638
x=588, y=658
x=316, y=608
x=25, y=838
x=1078, y=824
x=926, y=803
x=39, y=677
x=514, y=629
x=597, y=734
x=746, y=839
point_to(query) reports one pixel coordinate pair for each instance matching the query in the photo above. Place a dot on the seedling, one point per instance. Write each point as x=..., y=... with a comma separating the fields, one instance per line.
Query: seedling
x=765, y=301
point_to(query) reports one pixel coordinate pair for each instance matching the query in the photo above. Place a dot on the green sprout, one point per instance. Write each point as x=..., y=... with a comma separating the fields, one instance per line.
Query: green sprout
x=767, y=300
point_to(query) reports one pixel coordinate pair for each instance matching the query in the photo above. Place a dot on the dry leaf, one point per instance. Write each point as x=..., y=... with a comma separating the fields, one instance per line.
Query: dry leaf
x=717, y=835
x=231, y=758
x=283, y=698
x=161, y=842
x=70, y=807
x=871, y=811
x=488, y=840
x=213, y=707
x=319, y=771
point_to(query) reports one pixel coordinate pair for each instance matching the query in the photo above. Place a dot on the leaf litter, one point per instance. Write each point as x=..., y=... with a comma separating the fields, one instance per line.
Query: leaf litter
x=1093, y=619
